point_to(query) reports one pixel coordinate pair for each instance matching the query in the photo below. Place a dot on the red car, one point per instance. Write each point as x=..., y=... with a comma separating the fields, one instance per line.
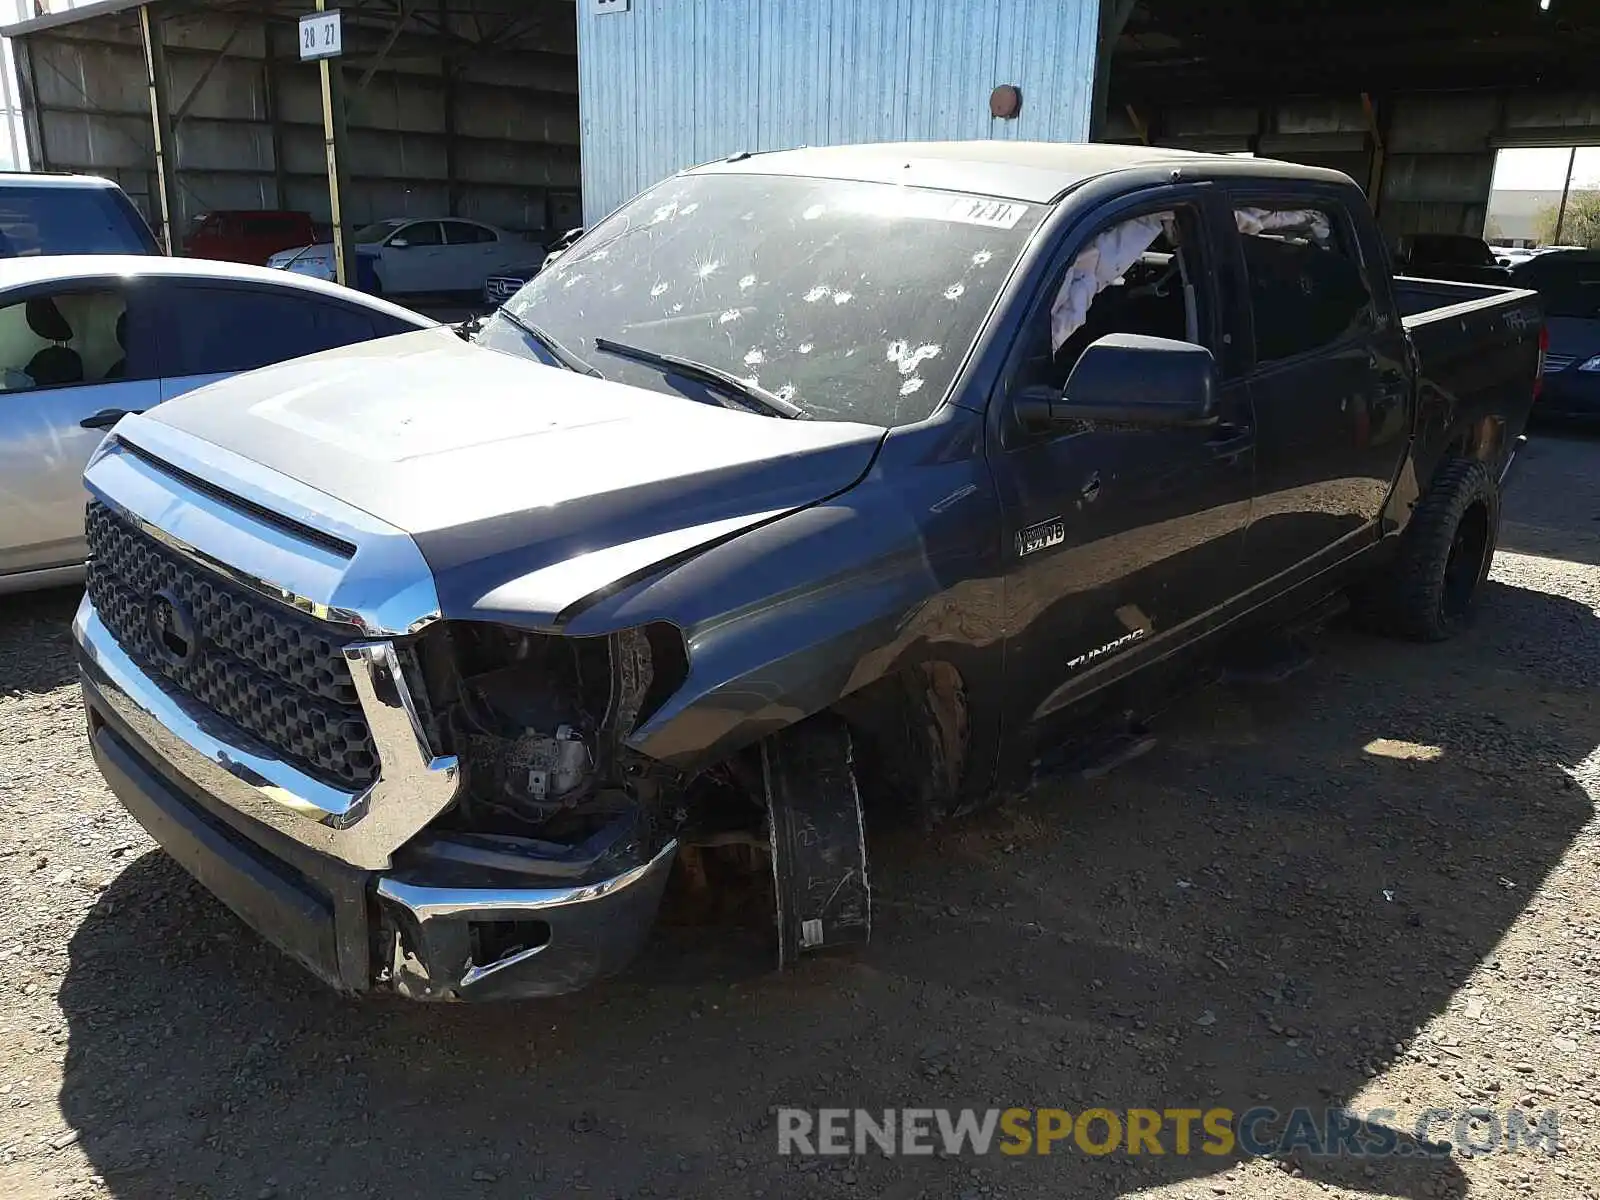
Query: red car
x=249, y=236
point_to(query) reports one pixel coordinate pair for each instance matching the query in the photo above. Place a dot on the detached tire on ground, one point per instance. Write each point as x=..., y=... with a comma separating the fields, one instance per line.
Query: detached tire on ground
x=818, y=838
x=1427, y=592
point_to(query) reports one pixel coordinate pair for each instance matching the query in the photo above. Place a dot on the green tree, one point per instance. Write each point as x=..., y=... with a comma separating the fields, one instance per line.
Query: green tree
x=1581, y=226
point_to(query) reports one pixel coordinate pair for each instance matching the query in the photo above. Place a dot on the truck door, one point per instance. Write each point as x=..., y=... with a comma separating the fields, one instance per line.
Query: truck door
x=1327, y=383
x=1120, y=541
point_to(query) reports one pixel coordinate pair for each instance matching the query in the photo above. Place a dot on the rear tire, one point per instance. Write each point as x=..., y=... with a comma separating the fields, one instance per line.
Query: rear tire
x=1426, y=594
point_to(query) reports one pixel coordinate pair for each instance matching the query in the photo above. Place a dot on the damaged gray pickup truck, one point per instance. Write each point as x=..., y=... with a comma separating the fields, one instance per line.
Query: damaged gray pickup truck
x=882, y=473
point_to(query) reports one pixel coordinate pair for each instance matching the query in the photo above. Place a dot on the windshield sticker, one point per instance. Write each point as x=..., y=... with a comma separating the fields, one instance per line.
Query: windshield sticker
x=997, y=214
x=919, y=205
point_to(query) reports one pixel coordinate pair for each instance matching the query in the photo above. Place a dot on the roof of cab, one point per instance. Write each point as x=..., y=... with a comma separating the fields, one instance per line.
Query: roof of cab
x=1036, y=172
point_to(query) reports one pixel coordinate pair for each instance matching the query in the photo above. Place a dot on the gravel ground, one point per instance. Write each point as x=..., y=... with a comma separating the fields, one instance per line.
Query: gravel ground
x=1377, y=884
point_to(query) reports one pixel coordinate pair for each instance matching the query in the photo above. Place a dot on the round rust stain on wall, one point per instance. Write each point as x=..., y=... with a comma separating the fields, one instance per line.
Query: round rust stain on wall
x=1005, y=102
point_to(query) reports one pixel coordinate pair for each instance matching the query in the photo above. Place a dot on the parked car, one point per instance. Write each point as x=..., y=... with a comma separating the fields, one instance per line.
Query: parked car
x=68, y=214
x=948, y=458
x=249, y=237
x=1510, y=256
x=1451, y=256
x=411, y=256
x=506, y=282
x=85, y=339
x=561, y=245
x=1568, y=281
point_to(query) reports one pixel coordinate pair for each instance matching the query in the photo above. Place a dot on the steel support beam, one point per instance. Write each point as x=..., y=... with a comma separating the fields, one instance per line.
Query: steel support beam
x=452, y=153
x=336, y=140
x=205, y=76
x=269, y=92
x=155, y=66
x=452, y=165
x=1114, y=16
x=28, y=102
x=1377, y=129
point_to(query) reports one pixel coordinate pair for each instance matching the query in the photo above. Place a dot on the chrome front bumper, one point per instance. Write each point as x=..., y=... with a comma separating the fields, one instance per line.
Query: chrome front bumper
x=362, y=829
x=415, y=928
x=333, y=878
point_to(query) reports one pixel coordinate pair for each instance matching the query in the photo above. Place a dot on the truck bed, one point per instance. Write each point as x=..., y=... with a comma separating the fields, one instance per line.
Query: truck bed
x=1478, y=355
x=1419, y=297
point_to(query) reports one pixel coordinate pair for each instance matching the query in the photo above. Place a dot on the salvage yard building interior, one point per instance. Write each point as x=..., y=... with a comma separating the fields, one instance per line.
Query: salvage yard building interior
x=467, y=108
x=471, y=107
x=1412, y=100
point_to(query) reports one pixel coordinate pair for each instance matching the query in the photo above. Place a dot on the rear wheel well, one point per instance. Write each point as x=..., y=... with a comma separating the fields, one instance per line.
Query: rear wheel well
x=1480, y=440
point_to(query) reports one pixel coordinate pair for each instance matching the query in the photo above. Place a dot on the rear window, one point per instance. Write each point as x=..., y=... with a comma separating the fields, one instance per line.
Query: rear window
x=1568, y=289
x=1306, y=285
x=69, y=220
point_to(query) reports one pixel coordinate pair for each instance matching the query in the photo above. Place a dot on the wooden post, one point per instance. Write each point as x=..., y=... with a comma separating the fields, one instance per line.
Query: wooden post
x=336, y=140
x=155, y=67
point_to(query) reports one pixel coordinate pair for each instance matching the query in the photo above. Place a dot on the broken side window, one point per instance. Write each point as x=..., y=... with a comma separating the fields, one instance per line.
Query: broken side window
x=1137, y=275
x=1307, y=289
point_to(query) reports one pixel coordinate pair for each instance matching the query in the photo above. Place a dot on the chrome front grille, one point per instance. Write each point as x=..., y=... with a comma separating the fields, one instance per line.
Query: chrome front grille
x=500, y=288
x=280, y=676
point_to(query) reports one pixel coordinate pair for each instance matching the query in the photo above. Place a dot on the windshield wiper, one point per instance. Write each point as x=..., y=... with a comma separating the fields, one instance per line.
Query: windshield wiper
x=724, y=381
x=553, y=348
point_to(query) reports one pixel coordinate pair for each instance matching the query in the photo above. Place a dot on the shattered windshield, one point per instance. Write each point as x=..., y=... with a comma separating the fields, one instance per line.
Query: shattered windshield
x=853, y=301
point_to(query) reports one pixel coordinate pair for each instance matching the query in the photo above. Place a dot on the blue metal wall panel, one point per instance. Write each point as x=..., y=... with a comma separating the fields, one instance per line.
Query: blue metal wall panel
x=670, y=83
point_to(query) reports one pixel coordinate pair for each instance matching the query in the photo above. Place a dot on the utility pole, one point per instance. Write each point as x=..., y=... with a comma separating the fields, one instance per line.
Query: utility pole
x=1566, y=190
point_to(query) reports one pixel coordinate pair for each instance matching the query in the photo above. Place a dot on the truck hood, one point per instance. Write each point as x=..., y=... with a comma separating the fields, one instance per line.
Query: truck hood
x=525, y=487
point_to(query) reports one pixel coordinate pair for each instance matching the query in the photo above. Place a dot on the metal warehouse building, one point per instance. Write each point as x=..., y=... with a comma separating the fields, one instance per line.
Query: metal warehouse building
x=534, y=114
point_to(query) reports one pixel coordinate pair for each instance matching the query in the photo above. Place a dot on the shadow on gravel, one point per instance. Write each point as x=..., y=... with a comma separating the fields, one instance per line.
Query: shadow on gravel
x=36, y=640
x=1546, y=541
x=1258, y=913
x=1550, y=508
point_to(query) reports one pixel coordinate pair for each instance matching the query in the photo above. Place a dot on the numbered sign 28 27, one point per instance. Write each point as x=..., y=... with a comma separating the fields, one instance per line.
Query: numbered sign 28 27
x=321, y=36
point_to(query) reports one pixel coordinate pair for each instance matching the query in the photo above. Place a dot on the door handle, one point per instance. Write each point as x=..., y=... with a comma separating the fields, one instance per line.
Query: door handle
x=107, y=417
x=1230, y=441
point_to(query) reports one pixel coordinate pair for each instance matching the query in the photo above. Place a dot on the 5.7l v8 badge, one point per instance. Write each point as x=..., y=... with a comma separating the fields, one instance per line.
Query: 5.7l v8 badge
x=1041, y=536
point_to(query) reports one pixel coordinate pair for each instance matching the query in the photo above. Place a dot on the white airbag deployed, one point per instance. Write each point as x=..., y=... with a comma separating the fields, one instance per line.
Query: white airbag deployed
x=1097, y=267
x=1253, y=222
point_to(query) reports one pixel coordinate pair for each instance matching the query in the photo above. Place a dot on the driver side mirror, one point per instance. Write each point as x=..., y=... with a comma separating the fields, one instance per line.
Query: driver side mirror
x=1130, y=379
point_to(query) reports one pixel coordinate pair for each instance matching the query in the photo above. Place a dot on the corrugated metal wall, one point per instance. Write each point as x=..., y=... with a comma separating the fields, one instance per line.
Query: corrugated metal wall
x=666, y=84
x=251, y=135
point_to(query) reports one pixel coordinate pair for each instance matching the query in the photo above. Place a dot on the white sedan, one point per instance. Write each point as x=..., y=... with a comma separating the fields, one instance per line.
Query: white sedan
x=86, y=339
x=411, y=255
